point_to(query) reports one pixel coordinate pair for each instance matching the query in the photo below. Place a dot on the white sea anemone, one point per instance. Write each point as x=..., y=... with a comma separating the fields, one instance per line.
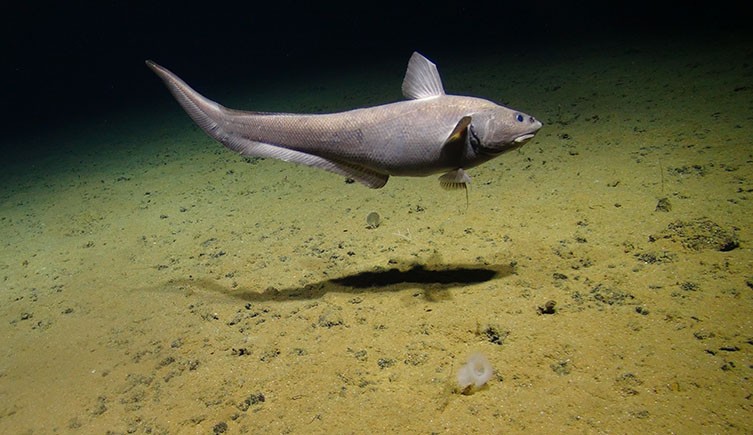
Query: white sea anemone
x=474, y=374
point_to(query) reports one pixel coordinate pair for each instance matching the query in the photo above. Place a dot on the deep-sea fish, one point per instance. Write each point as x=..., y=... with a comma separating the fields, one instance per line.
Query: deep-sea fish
x=430, y=133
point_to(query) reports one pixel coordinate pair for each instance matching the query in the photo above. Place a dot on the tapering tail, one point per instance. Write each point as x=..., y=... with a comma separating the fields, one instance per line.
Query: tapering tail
x=222, y=124
x=202, y=110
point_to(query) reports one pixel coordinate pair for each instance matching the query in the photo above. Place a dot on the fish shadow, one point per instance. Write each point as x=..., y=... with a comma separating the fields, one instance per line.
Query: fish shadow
x=433, y=280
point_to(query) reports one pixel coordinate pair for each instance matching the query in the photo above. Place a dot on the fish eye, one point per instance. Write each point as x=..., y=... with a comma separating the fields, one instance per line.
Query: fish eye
x=519, y=117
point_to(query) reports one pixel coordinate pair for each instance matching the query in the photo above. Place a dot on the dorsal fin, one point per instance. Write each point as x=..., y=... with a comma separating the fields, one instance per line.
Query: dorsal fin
x=421, y=79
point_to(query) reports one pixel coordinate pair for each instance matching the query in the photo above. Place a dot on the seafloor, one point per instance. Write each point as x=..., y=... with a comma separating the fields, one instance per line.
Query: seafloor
x=155, y=282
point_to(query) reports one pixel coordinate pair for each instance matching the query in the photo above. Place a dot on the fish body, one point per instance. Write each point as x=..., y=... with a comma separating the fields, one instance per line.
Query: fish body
x=428, y=134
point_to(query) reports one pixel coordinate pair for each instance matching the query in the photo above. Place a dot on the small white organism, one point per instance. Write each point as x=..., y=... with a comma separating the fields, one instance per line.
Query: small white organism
x=474, y=374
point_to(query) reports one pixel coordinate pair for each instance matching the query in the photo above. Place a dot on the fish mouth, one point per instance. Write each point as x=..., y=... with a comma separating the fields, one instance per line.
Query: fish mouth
x=520, y=140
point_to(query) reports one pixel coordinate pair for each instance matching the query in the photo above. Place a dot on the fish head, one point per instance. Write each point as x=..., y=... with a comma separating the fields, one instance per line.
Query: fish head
x=499, y=129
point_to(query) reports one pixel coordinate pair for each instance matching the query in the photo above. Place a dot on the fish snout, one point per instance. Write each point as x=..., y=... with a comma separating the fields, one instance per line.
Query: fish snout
x=534, y=126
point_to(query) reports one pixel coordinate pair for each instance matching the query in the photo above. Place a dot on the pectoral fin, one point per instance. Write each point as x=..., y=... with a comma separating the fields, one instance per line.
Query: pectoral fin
x=459, y=133
x=452, y=151
x=454, y=145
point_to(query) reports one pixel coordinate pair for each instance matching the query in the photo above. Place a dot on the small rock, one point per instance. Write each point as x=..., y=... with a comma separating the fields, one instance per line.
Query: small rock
x=663, y=205
x=547, y=308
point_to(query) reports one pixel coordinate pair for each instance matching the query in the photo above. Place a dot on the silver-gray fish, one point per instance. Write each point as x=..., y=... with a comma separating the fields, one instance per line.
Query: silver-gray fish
x=430, y=133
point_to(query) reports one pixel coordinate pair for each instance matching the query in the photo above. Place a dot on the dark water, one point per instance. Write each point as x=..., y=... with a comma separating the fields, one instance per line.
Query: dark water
x=68, y=63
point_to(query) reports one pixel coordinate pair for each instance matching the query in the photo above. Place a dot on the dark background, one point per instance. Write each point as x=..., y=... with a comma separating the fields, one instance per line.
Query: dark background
x=67, y=61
